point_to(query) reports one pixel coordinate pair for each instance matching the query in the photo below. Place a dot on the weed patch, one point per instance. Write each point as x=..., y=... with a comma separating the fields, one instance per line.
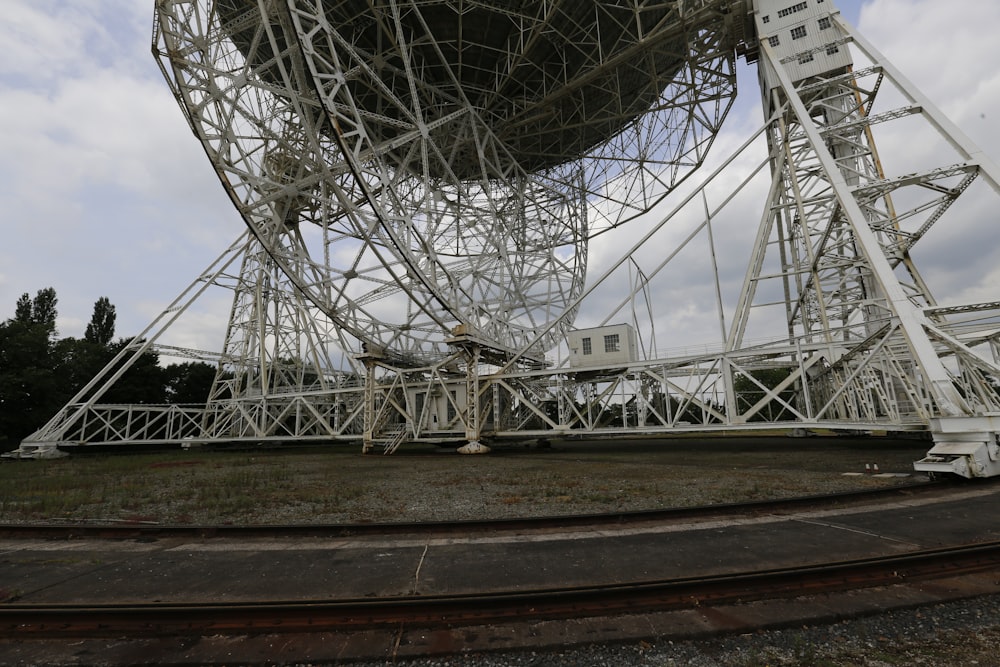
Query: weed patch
x=340, y=486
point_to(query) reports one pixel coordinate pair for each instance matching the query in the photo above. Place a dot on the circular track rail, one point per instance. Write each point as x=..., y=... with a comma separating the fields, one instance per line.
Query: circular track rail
x=411, y=624
x=433, y=612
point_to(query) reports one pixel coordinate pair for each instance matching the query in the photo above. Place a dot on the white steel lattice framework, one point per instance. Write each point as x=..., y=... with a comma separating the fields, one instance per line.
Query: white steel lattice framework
x=421, y=180
x=880, y=347
x=438, y=176
x=423, y=170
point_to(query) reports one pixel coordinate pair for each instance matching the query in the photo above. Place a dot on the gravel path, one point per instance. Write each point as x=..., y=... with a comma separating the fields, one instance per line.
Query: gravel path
x=948, y=635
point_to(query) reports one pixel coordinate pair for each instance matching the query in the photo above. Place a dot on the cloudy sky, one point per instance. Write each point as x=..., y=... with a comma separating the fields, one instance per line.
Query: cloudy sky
x=105, y=192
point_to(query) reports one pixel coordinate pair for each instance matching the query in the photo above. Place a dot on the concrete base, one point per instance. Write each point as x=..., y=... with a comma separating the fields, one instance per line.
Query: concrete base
x=474, y=447
x=963, y=446
x=41, y=450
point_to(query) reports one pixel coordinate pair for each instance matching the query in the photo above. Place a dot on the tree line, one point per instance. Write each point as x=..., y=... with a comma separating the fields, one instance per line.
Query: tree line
x=40, y=372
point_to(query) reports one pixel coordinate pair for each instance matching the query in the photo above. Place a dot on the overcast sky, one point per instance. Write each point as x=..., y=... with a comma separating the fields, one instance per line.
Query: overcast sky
x=105, y=192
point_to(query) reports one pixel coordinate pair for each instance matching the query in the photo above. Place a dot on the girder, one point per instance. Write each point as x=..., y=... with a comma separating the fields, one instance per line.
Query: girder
x=421, y=181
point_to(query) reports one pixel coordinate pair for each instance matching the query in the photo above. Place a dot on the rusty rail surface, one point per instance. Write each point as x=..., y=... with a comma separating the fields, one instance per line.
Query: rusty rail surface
x=26, y=621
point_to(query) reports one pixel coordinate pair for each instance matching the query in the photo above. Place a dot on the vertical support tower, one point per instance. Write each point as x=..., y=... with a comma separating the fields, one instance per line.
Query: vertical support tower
x=834, y=246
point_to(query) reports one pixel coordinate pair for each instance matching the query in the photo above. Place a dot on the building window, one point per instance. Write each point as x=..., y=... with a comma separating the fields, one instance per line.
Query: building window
x=450, y=412
x=832, y=50
x=824, y=23
x=766, y=19
x=586, y=346
x=807, y=58
x=799, y=32
x=773, y=40
x=612, y=343
x=798, y=7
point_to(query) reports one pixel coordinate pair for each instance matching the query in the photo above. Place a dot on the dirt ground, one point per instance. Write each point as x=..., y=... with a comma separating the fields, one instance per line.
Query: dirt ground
x=336, y=484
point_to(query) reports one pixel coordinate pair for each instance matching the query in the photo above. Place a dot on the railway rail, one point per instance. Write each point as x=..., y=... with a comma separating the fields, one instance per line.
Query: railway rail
x=21, y=620
x=433, y=612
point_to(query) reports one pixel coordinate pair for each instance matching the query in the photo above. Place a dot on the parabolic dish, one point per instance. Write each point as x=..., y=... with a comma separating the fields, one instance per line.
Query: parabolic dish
x=451, y=158
x=548, y=84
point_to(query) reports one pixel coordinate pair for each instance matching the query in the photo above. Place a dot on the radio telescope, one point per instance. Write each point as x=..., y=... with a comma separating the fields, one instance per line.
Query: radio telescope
x=421, y=182
x=423, y=168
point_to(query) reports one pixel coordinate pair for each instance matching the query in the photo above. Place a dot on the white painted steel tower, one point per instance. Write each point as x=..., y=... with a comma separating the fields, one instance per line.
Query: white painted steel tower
x=424, y=184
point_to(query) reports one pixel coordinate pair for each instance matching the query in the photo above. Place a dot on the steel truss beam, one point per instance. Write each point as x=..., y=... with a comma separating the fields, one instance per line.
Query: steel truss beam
x=843, y=234
x=275, y=381
x=862, y=344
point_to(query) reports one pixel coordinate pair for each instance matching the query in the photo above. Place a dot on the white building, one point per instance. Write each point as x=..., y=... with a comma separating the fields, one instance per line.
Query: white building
x=803, y=36
x=600, y=346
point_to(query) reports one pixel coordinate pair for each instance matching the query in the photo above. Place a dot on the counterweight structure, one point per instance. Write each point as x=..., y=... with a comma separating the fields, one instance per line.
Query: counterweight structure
x=423, y=184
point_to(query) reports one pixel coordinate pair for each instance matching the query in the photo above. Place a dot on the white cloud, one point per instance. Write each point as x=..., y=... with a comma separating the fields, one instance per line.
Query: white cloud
x=105, y=192
x=42, y=40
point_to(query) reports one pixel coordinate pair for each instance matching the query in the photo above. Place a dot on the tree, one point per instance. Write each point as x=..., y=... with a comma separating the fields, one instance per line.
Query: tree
x=82, y=359
x=101, y=330
x=43, y=310
x=30, y=387
x=748, y=393
x=39, y=311
x=22, y=312
x=143, y=382
x=189, y=382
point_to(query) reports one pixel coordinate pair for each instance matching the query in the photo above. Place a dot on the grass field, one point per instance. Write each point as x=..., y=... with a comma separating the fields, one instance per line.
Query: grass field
x=336, y=484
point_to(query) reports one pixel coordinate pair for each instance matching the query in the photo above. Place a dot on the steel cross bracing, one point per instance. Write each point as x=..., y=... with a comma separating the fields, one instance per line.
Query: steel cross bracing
x=424, y=211
x=845, y=233
x=386, y=243
x=276, y=347
x=275, y=380
x=426, y=220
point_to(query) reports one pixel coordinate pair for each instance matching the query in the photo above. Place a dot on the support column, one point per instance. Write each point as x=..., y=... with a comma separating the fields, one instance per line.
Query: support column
x=847, y=239
x=368, y=437
x=473, y=427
